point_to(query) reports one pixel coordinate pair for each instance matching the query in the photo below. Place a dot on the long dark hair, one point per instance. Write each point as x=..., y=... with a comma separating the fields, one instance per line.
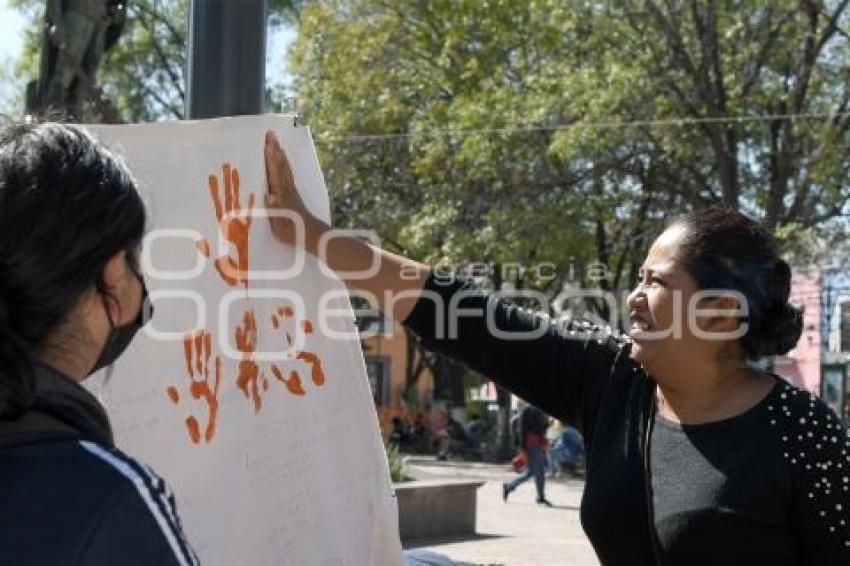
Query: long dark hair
x=67, y=205
x=724, y=249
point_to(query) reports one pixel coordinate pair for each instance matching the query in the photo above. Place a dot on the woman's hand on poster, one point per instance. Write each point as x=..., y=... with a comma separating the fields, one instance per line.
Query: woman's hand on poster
x=282, y=193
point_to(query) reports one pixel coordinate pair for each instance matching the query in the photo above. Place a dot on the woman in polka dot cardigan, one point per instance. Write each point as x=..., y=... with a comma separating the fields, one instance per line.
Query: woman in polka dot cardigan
x=693, y=456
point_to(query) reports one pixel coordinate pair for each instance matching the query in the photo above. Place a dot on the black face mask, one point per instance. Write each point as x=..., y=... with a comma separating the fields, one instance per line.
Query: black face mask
x=119, y=338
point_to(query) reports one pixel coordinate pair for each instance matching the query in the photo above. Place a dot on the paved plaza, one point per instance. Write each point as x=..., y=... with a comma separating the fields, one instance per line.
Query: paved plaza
x=516, y=533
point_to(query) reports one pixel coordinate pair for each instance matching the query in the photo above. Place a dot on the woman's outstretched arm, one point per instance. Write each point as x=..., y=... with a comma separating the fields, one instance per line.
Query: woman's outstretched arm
x=396, y=276
x=561, y=368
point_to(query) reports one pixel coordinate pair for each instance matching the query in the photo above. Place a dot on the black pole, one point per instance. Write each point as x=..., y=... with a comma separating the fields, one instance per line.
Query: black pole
x=227, y=58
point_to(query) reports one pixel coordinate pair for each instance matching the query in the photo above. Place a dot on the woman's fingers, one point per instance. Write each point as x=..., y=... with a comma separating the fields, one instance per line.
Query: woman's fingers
x=273, y=171
x=282, y=192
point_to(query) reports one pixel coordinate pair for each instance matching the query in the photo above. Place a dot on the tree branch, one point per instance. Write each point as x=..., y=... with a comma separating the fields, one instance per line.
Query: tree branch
x=165, y=62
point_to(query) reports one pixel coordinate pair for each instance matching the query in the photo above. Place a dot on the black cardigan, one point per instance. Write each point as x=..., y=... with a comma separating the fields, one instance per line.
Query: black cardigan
x=583, y=375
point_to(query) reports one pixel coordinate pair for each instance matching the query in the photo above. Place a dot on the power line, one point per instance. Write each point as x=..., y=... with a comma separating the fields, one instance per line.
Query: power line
x=437, y=132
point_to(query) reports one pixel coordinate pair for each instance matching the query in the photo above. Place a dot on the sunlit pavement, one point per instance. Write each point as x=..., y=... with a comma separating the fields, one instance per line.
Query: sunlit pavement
x=516, y=533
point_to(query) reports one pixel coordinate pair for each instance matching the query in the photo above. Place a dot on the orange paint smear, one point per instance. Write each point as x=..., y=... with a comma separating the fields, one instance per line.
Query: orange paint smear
x=199, y=343
x=317, y=373
x=187, y=352
x=246, y=334
x=228, y=197
x=234, y=225
x=204, y=247
x=202, y=390
x=249, y=371
x=275, y=322
x=173, y=394
x=236, y=184
x=228, y=270
x=292, y=383
x=236, y=232
x=307, y=326
x=194, y=429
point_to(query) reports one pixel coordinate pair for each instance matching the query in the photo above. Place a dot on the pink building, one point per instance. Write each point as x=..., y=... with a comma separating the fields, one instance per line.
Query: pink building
x=802, y=365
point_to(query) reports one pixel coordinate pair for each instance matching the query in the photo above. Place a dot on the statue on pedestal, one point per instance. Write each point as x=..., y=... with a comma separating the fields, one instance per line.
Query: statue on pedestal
x=77, y=33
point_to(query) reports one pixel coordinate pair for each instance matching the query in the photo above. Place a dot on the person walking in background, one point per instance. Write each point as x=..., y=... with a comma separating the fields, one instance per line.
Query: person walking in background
x=566, y=451
x=452, y=439
x=532, y=426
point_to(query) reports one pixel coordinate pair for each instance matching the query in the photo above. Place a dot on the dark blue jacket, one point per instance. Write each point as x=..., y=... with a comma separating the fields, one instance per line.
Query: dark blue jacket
x=70, y=497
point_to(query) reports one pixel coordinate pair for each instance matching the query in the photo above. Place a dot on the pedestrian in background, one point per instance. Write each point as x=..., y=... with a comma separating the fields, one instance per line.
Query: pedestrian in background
x=532, y=425
x=565, y=452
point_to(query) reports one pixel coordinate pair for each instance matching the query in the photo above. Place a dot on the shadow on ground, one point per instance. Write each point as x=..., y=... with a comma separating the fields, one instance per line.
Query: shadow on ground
x=434, y=541
x=569, y=507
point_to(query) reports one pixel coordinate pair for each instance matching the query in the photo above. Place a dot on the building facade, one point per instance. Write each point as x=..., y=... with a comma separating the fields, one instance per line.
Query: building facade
x=835, y=347
x=802, y=365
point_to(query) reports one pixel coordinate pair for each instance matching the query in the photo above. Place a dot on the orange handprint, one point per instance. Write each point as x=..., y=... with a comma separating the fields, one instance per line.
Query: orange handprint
x=292, y=383
x=249, y=372
x=234, y=226
x=317, y=372
x=197, y=349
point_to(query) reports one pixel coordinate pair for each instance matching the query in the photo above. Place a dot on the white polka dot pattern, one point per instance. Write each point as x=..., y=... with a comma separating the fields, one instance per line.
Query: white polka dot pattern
x=816, y=445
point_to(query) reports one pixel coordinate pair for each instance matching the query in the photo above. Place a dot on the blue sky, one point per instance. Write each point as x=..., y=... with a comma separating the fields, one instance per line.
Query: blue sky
x=10, y=32
x=11, y=40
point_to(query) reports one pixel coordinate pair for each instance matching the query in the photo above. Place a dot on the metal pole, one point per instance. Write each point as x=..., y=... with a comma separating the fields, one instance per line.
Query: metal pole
x=227, y=58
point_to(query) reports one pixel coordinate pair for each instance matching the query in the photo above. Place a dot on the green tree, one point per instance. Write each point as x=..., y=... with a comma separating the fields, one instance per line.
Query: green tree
x=707, y=61
x=417, y=75
x=144, y=75
x=413, y=77
x=516, y=131
x=567, y=131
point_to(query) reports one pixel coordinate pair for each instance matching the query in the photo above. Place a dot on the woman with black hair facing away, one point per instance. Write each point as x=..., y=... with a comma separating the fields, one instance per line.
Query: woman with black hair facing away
x=71, y=299
x=693, y=457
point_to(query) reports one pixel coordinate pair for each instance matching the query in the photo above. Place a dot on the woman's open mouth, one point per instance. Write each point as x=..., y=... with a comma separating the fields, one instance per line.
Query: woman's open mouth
x=639, y=325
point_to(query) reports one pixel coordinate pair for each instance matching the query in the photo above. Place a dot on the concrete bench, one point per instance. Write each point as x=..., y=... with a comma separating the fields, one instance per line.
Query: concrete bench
x=436, y=508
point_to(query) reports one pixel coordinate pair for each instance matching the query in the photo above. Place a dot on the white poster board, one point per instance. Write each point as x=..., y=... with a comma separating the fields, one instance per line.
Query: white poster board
x=236, y=393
